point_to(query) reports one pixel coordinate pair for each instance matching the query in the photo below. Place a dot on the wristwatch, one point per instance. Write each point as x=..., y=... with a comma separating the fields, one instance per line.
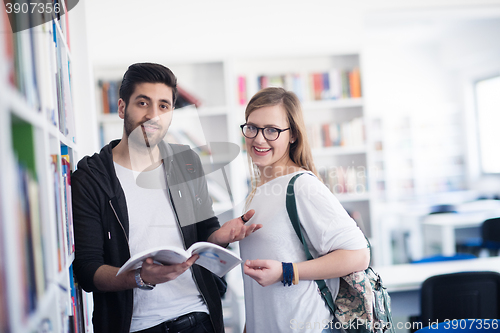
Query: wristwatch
x=140, y=283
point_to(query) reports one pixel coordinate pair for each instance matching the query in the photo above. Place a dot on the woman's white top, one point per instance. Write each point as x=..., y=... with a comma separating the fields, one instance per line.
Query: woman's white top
x=326, y=227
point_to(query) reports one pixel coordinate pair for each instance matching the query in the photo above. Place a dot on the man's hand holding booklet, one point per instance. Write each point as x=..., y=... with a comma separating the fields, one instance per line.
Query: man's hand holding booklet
x=213, y=257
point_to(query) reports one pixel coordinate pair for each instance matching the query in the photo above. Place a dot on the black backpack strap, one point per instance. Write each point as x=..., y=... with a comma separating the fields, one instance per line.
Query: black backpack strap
x=291, y=208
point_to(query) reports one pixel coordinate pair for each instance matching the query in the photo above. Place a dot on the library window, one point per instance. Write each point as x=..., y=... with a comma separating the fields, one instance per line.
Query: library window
x=488, y=120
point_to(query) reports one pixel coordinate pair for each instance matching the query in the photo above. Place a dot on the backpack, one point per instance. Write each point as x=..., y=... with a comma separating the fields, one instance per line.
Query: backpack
x=362, y=304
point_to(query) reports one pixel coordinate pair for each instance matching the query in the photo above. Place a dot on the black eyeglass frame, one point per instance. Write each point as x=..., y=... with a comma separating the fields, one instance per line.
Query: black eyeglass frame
x=262, y=129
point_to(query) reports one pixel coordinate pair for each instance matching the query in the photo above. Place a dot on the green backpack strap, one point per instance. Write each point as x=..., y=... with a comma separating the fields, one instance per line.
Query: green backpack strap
x=291, y=208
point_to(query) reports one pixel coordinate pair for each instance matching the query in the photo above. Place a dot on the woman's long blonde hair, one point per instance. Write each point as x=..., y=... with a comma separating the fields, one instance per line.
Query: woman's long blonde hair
x=299, y=151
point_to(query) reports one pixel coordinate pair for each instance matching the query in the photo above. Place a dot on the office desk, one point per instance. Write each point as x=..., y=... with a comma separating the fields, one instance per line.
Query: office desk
x=448, y=223
x=403, y=282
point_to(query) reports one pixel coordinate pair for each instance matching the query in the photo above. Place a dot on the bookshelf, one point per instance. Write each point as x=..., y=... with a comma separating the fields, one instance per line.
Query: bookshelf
x=39, y=147
x=418, y=156
x=329, y=87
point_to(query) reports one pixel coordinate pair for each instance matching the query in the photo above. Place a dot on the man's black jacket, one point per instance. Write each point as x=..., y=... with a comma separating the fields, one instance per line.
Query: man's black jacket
x=101, y=228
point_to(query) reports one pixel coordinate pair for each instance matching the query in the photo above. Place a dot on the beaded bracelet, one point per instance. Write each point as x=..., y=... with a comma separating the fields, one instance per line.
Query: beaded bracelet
x=287, y=273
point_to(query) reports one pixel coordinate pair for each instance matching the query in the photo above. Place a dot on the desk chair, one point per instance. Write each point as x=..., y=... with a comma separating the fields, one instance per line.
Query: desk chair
x=460, y=296
x=489, y=240
x=490, y=233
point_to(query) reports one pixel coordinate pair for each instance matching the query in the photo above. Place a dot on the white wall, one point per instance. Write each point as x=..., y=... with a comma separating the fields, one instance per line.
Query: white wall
x=126, y=31
x=473, y=53
x=83, y=92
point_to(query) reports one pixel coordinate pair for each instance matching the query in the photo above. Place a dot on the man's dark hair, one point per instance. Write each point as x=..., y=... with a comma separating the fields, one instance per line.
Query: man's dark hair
x=147, y=73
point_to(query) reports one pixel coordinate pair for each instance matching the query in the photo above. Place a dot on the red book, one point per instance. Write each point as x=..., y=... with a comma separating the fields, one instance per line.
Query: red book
x=242, y=90
x=327, y=141
x=67, y=26
x=317, y=85
x=189, y=98
x=263, y=81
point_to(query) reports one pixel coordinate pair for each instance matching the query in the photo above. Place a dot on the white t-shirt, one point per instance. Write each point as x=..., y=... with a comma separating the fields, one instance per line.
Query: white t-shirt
x=152, y=223
x=326, y=227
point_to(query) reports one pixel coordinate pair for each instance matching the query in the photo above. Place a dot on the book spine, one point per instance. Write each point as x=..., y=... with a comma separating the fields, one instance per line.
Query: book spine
x=242, y=90
x=58, y=211
x=113, y=96
x=325, y=93
x=355, y=83
x=327, y=142
x=105, y=94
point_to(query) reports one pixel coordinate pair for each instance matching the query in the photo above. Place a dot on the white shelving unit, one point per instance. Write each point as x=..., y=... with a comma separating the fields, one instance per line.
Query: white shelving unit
x=333, y=158
x=221, y=113
x=37, y=125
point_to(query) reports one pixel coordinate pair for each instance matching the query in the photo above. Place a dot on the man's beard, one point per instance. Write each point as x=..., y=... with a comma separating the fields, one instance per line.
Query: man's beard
x=138, y=136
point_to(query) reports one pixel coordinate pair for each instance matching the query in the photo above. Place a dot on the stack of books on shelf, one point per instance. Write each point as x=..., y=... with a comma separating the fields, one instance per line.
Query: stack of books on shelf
x=109, y=92
x=76, y=314
x=38, y=67
x=346, y=134
x=109, y=95
x=62, y=189
x=33, y=279
x=56, y=181
x=30, y=234
x=35, y=260
x=333, y=84
x=345, y=180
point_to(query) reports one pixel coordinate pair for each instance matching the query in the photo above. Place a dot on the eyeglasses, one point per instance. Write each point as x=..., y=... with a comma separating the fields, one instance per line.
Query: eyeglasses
x=269, y=133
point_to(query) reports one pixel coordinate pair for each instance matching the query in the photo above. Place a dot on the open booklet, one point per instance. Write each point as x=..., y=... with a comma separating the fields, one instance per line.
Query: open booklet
x=213, y=257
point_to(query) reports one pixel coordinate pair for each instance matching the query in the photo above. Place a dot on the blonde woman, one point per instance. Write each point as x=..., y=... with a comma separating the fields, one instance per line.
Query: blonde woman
x=277, y=145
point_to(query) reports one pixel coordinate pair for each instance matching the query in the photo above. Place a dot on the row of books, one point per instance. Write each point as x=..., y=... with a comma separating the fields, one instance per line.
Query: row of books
x=333, y=84
x=77, y=320
x=108, y=91
x=32, y=258
x=34, y=245
x=345, y=180
x=64, y=213
x=39, y=67
x=74, y=317
x=32, y=232
x=61, y=176
x=347, y=134
x=32, y=251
